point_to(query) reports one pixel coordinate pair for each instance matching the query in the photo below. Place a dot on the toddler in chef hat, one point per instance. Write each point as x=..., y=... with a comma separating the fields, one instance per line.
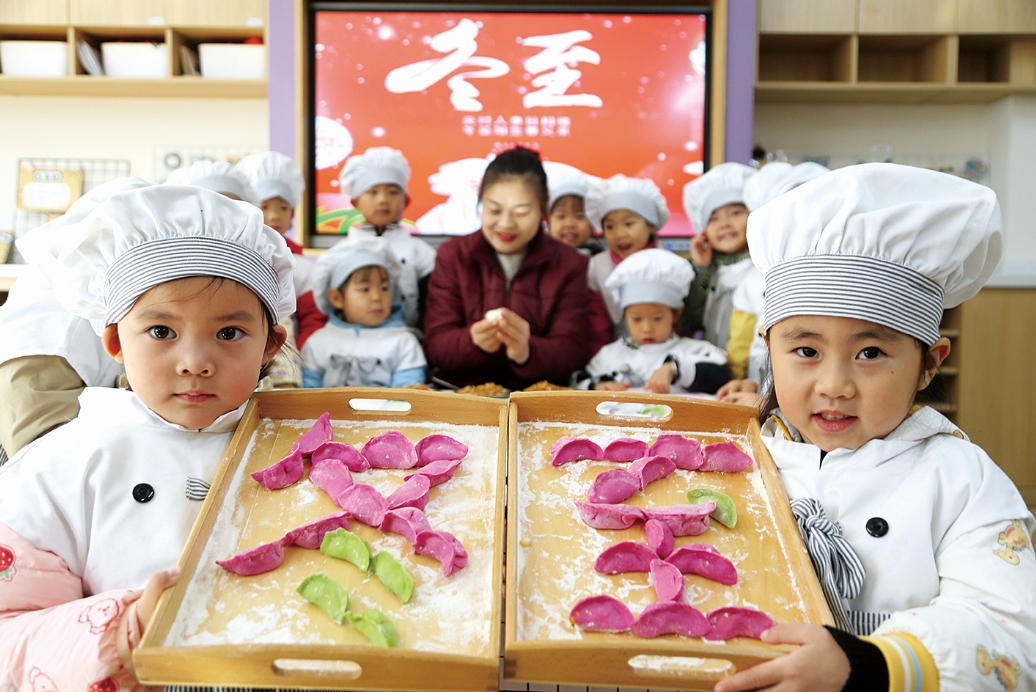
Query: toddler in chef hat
x=376, y=183
x=218, y=176
x=185, y=287
x=746, y=349
x=920, y=541
x=629, y=211
x=567, y=221
x=366, y=342
x=715, y=204
x=649, y=287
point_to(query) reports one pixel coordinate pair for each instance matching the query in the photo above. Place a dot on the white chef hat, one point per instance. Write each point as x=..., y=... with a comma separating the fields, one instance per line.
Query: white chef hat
x=651, y=276
x=639, y=195
x=218, y=176
x=376, y=166
x=720, y=185
x=575, y=183
x=776, y=178
x=881, y=242
x=140, y=238
x=337, y=264
x=273, y=174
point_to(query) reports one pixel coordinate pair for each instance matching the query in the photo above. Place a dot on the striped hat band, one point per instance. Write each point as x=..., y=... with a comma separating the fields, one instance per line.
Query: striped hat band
x=863, y=288
x=168, y=259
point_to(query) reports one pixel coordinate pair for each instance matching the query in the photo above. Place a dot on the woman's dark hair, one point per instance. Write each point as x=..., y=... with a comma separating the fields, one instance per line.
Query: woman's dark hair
x=518, y=163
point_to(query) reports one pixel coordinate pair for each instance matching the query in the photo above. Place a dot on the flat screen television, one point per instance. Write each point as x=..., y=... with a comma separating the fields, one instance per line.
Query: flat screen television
x=605, y=90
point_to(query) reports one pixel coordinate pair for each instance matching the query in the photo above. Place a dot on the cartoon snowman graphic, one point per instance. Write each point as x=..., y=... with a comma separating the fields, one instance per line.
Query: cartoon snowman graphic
x=7, y=569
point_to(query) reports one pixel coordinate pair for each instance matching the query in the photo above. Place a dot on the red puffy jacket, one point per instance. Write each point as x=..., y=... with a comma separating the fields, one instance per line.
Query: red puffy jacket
x=550, y=291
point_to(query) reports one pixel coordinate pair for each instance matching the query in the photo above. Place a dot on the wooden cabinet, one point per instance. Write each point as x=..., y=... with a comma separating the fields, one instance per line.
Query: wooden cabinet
x=225, y=13
x=34, y=12
x=996, y=16
x=907, y=16
x=136, y=13
x=807, y=16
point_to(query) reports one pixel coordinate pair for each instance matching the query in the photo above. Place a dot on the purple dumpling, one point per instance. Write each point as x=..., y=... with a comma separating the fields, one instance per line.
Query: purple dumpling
x=437, y=472
x=282, y=473
x=406, y=521
x=628, y=556
x=598, y=515
x=667, y=580
x=340, y=451
x=413, y=493
x=625, y=449
x=391, y=450
x=330, y=474
x=684, y=452
x=725, y=457
x=601, y=614
x=613, y=486
x=568, y=449
x=683, y=520
x=364, y=503
x=257, y=560
x=705, y=561
x=317, y=435
x=659, y=537
x=738, y=621
x=651, y=469
x=444, y=547
x=671, y=617
x=438, y=447
x=312, y=534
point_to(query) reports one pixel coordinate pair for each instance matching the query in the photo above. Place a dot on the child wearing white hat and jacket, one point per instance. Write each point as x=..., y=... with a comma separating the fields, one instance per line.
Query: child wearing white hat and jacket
x=921, y=542
x=186, y=288
x=218, y=176
x=649, y=287
x=366, y=342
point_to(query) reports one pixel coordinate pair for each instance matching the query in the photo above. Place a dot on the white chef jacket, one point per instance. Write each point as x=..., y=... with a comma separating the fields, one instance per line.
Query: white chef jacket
x=952, y=569
x=33, y=323
x=750, y=297
x=416, y=256
x=719, y=303
x=599, y=269
x=71, y=492
x=630, y=364
x=350, y=355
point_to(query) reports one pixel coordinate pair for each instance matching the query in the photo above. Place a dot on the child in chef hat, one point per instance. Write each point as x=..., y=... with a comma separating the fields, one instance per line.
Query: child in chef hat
x=630, y=212
x=649, y=287
x=905, y=519
x=376, y=184
x=746, y=349
x=366, y=342
x=218, y=176
x=186, y=288
x=567, y=221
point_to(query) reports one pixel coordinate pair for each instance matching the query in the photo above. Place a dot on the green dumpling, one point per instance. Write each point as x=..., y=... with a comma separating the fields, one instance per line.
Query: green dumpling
x=324, y=592
x=376, y=627
x=725, y=512
x=346, y=545
x=393, y=575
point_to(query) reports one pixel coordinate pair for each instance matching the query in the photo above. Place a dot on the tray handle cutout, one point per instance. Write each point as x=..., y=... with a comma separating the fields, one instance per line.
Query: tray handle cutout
x=636, y=410
x=682, y=667
x=380, y=406
x=332, y=670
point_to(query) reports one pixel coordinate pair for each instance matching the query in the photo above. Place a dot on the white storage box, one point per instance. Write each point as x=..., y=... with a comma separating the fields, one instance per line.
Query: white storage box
x=232, y=60
x=34, y=58
x=135, y=59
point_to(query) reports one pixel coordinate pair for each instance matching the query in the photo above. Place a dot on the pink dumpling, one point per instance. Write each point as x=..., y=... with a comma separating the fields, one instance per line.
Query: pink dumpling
x=598, y=515
x=391, y=450
x=651, y=469
x=406, y=521
x=437, y=472
x=316, y=436
x=684, y=452
x=413, y=493
x=613, y=486
x=283, y=473
x=438, y=447
x=330, y=475
x=568, y=449
x=671, y=617
x=667, y=580
x=257, y=560
x=659, y=537
x=625, y=449
x=312, y=534
x=364, y=503
x=627, y=556
x=738, y=621
x=683, y=520
x=444, y=547
x=705, y=561
x=726, y=457
x=601, y=614
x=342, y=452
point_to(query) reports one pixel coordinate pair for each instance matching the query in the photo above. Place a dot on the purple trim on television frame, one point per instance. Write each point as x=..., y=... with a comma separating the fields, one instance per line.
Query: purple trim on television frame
x=280, y=16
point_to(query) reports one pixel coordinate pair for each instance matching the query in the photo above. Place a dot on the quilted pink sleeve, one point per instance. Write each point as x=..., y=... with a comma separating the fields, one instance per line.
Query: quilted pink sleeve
x=51, y=638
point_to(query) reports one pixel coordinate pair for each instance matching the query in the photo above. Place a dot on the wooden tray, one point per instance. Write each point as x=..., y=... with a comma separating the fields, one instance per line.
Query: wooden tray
x=551, y=552
x=217, y=628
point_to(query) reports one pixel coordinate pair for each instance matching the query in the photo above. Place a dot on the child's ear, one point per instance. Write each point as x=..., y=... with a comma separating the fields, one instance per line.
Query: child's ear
x=274, y=343
x=111, y=343
x=676, y=314
x=336, y=298
x=935, y=356
x=406, y=200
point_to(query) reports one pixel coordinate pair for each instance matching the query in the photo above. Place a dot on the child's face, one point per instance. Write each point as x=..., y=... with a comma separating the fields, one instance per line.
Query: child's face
x=277, y=214
x=511, y=215
x=365, y=298
x=382, y=204
x=843, y=382
x=193, y=348
x=626, y=232
x=650, y=323
x=727, y=230
x=568, y=222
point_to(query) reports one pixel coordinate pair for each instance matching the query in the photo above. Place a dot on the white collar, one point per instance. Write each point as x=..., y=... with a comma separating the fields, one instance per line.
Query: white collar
x=100, y=402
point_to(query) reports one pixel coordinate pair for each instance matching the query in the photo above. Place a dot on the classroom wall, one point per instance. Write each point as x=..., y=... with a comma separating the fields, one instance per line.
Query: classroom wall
x=129, y=128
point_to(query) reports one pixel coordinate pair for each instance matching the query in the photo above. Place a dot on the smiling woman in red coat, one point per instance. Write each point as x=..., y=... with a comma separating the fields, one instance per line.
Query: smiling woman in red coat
x=508, y=303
